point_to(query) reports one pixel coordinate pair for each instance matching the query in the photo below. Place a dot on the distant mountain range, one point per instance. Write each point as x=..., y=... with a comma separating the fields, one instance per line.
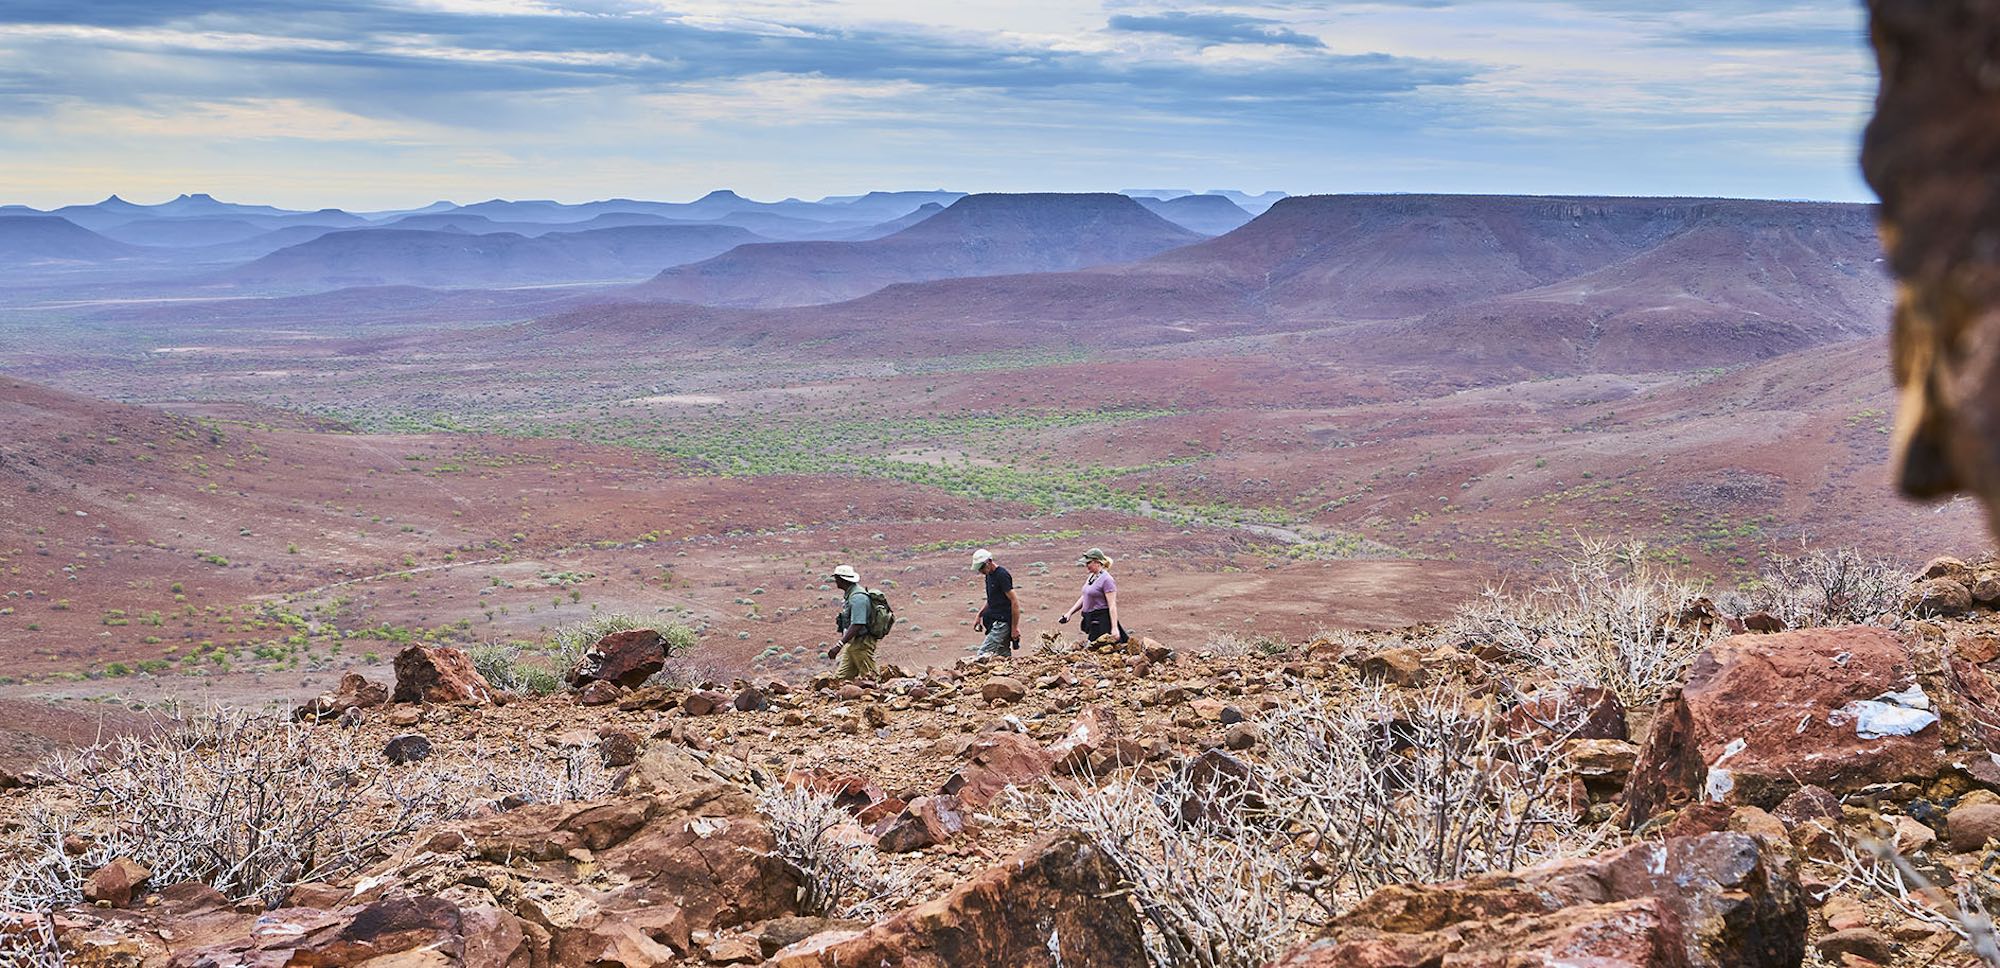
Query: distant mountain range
x=197, y=240
x=1520, y=284
x=456, y=259
x=979, y=235
x=40, y=240
x=1254, y=204
x=1540, y=285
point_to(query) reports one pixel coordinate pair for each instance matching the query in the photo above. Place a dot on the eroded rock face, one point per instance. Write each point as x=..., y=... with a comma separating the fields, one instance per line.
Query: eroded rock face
x=1838, y=708
x=624, y=882
x=1931, y=153
x=1724, y=900
x=1623, y=934
x=439, y=674
x=195, y=928
x=1056, y=903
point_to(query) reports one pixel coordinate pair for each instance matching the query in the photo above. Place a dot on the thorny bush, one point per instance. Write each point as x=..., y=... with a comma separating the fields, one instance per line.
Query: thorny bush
x=253, y=805
x=29, y=941
x=248, y=804
x=1838, y=586
x=1355, y=791
x=1610, y=619
x=842, y=878
x=1872, y=865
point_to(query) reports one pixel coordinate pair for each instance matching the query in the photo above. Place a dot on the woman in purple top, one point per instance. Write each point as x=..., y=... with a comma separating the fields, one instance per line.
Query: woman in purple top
x=1099, y=601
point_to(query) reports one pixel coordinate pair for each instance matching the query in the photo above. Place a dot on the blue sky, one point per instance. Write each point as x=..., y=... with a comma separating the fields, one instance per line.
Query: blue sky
x=385, y=103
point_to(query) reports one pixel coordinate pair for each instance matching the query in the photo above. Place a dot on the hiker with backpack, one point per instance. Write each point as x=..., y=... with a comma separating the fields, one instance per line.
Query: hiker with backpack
x=1001, y=618
x=1099, y=601
x=865, y=616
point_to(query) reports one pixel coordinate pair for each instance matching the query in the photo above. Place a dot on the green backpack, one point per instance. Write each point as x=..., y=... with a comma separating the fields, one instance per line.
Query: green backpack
x=881, y=618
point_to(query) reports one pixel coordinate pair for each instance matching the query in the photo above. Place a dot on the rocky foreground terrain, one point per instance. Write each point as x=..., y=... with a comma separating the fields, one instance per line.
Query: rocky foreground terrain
x=1707, y=788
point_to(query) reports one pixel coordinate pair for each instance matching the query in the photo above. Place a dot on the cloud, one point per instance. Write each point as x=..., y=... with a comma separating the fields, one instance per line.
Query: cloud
x=355, y=54
x=1644, y=96
x=246, y=119
x=1210, y=29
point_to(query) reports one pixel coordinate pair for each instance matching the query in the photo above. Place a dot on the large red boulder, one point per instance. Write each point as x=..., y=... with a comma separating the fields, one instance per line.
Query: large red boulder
x=1723, y=900
x=1836, y=708
x=997, y=761
x=439, y=674
x=627, y=658
x=1058, y=903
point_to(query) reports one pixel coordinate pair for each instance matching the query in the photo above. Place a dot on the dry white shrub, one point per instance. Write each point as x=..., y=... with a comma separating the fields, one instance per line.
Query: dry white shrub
x=1237, y=644
x=1394, y=788
x=1837, y=586
x=842, y=875
x=576, y=773
x=248, y=803
x=1214, y=890
x=1874, y=866
x=1354, y=792
x=1609, y=619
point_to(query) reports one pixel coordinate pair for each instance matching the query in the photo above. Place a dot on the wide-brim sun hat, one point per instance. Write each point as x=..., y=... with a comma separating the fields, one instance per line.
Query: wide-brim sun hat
x=847, y=573
x=980, y=558
x=1096, y=555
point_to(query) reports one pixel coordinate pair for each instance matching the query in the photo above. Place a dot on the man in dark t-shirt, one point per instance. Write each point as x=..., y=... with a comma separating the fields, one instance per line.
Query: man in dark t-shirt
x=1001, y=618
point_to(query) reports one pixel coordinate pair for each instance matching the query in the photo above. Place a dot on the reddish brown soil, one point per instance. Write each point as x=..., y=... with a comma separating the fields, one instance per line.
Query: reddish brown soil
x=30, y=730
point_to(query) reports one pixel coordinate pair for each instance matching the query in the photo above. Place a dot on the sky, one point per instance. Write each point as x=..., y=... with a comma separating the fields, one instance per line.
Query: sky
x=395, y=103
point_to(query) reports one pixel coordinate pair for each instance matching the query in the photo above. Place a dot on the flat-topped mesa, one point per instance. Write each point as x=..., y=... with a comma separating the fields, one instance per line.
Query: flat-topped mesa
x=978, y=235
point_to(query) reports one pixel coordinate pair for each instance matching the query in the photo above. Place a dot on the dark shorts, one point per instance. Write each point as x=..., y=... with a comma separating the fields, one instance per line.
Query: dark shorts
x=1097, y=622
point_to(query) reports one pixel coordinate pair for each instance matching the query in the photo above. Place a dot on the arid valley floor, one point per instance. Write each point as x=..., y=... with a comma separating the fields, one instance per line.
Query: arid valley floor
x=1346, y=413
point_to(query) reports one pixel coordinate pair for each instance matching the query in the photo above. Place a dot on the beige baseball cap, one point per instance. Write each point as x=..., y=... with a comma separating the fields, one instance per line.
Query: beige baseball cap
x=980, y=558
x=847, y=573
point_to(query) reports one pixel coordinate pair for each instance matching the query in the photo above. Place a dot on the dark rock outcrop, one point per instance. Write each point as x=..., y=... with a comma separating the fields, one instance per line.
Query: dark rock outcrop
x=627, y=658
x=439, y=674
